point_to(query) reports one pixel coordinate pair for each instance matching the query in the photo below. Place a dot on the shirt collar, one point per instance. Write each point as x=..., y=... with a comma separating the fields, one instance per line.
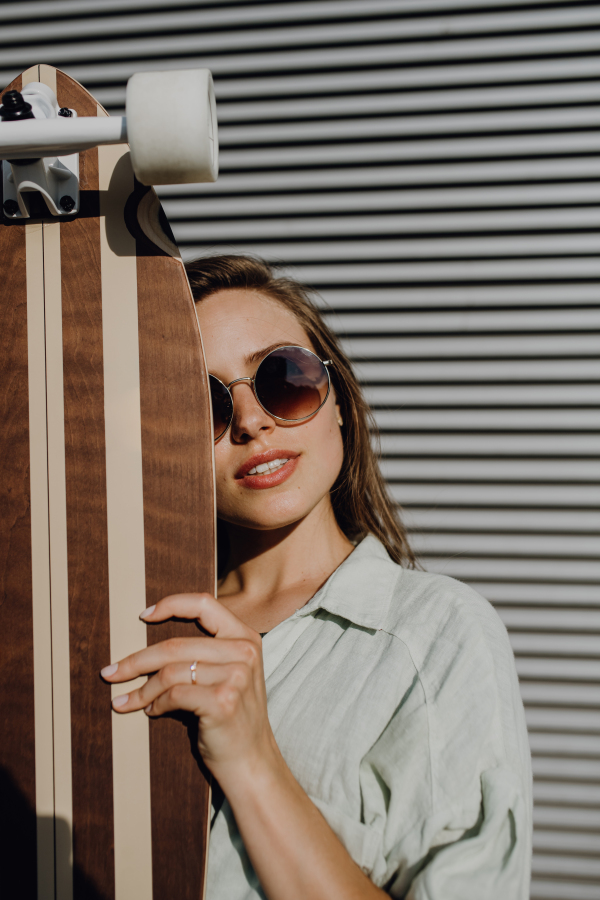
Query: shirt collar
x=360, y=589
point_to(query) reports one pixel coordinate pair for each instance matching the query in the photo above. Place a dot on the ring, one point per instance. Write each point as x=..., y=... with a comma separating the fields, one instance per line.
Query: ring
x=193, y=671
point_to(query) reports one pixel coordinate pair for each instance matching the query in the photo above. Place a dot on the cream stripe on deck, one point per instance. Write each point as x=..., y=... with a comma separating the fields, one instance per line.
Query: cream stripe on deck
x=125, y=515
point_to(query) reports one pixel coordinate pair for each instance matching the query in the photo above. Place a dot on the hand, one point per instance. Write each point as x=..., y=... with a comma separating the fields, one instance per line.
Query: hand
x=229, y=696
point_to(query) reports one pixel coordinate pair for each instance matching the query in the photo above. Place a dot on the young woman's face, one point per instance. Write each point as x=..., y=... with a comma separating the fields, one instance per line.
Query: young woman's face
x=239, y=327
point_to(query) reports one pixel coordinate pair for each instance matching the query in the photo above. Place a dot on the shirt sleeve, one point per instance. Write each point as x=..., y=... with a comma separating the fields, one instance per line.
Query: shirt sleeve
x=491, y=860
x=447, y=784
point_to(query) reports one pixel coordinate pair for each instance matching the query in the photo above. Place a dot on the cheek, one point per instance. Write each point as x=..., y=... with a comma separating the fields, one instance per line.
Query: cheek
x=333, y=450
x=223, y=465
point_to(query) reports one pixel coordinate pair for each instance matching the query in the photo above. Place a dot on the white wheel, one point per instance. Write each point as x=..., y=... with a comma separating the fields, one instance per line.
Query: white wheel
x=172, y=126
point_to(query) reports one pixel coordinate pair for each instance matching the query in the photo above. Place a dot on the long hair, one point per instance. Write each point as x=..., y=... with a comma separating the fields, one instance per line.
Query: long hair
x=360, y=499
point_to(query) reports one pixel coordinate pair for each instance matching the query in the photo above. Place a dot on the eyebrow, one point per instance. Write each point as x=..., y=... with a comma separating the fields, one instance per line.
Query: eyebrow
x=260, y=354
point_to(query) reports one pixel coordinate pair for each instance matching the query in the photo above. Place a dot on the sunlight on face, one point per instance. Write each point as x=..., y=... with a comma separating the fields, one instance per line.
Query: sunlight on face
x=237, y=324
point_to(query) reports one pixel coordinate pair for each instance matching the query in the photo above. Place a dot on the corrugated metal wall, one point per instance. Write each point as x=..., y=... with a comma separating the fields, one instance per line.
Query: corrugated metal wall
x=431, y=166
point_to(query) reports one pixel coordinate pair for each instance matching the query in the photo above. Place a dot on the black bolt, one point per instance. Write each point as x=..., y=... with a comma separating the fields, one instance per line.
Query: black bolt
x=66, y=112
x=67, y=203
x=15, y=107
x=11, y=207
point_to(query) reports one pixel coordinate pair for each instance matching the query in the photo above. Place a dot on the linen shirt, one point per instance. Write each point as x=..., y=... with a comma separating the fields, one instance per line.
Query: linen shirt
x=394, y=699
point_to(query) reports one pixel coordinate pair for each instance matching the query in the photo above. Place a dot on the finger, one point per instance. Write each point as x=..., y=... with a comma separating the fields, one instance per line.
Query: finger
x=237, y=674
x=200, y=700
x=204, y=650
x=211, y=615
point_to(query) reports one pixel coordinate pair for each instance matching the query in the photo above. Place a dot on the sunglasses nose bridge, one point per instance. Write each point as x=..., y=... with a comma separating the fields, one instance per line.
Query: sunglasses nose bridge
x=252, y=385
x=237, y=381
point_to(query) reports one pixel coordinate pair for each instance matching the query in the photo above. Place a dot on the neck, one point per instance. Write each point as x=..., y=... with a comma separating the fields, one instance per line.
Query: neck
x=272, y=573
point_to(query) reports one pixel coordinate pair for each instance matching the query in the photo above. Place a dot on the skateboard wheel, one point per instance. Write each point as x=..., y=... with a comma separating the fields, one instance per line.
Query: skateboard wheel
x=172, y=126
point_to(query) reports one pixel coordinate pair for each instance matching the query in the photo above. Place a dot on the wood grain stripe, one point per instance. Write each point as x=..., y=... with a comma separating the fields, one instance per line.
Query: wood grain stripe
x=125, y=513
x=85, y=465
x=18, y=861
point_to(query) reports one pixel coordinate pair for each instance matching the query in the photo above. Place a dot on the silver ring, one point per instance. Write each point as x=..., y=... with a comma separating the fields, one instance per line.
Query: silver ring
x=193, y=671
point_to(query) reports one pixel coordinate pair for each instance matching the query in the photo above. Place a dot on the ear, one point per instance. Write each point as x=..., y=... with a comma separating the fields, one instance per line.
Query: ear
x=338, y=415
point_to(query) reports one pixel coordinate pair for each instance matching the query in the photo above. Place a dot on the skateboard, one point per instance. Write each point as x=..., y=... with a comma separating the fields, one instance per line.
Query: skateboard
x=106, y=484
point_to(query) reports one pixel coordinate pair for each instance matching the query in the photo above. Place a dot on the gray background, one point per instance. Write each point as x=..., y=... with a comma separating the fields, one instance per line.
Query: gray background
x=431, y=167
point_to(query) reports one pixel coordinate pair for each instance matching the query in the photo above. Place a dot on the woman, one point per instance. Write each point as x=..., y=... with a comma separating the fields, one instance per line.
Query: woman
x=362, y=718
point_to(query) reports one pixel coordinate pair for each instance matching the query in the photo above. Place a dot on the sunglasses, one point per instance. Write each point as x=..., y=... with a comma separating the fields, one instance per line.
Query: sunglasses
x=291, y=384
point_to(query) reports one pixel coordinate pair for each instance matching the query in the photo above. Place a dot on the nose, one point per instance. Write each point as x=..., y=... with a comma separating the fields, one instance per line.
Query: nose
x=249, y=418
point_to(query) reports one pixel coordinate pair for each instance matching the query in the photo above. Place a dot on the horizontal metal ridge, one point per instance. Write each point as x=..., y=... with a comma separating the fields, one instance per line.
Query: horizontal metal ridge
x=466, y=297
x=489, y=492
x=567, y=446
x=325, y=8
x=336, y=272
x=473, y=568
x=466, y=320
x=554, y=694
x=374, y=22
x=402, y=372
x=564, y=197
x=514, y=521
x=558, y=889
x=454, y=344
x=521, y=172
x=406, y=226
x=485, y=395
x=522, y=421
x=517, y=546
x=563, y=722
x=526, y=593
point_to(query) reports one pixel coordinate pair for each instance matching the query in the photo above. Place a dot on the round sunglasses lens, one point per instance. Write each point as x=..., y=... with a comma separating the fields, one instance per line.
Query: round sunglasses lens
x=291, y=383
x=222, y=406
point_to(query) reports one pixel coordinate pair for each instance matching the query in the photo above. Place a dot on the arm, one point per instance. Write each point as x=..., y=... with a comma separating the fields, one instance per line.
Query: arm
x=293, y=850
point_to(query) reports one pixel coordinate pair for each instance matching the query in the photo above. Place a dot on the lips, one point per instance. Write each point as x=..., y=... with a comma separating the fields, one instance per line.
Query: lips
x=262, y=458
x=261, y=482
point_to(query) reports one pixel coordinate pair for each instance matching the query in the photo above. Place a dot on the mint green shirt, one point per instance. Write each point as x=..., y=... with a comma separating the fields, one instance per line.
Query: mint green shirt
x=394, y=699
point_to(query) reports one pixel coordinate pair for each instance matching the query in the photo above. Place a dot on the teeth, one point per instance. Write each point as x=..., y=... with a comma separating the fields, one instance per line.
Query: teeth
x=268, y=467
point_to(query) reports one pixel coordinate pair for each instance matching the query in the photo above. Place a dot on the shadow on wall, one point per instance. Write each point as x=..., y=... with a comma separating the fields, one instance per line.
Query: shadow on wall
x=18, y=876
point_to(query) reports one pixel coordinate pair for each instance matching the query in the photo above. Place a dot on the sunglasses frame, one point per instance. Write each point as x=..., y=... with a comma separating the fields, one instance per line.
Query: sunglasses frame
x=251, y=381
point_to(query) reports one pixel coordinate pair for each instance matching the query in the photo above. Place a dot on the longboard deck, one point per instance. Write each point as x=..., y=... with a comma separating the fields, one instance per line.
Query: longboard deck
x=107, y=490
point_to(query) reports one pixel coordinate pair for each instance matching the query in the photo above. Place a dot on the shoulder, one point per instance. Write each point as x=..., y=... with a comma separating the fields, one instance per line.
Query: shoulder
x=456, y=641
x=465, y=665
x=428, y=610
x=421, y=609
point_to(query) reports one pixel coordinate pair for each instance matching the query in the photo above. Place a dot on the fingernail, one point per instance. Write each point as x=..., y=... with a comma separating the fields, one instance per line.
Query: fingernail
x=147, y=612
x=107, y=671
x=148, y=708
x=120, y=701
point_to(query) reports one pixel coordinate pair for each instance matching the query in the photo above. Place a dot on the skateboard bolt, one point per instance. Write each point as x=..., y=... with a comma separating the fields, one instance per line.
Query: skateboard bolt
x=14, y=107
x=66, y=112
x=11, y=207
x=67, y=203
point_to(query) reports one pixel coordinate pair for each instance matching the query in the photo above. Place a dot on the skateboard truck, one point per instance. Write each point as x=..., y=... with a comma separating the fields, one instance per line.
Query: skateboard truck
x=171, y=126
x=54, y=176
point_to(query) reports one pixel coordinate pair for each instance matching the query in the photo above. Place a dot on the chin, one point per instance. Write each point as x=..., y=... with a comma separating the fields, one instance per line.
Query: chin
x=268, y=515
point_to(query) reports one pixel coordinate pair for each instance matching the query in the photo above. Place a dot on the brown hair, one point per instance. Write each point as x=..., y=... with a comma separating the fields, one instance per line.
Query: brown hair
x=360, y=499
